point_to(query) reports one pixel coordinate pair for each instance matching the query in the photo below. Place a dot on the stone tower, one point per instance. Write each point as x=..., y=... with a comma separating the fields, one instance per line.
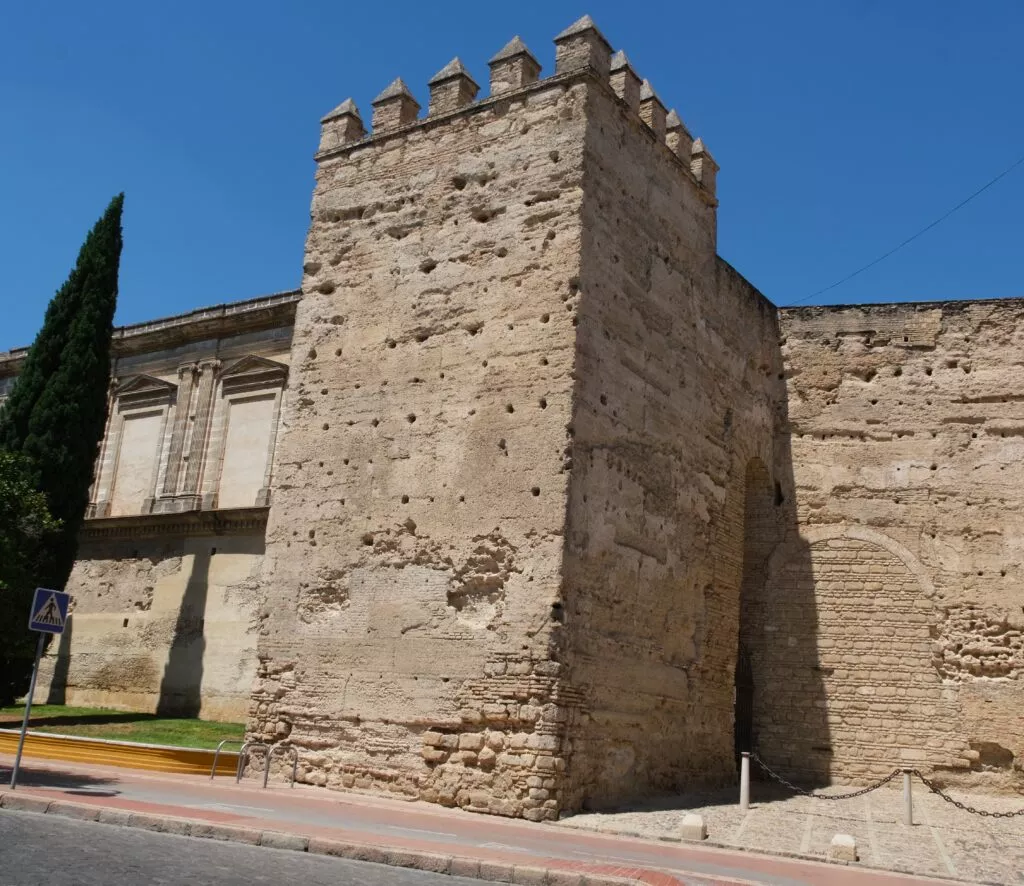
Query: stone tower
x=504, y=551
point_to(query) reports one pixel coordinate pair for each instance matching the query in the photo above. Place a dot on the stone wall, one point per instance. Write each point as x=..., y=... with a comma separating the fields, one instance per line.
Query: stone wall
x=164, y=618
x=505, y=553
x=561, y=512
x=414, y=545
x=677, y=389
x=895, y=623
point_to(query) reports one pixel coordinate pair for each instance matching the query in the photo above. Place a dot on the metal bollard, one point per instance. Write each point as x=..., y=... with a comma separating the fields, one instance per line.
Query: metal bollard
x=908, y=798
x=744, y=781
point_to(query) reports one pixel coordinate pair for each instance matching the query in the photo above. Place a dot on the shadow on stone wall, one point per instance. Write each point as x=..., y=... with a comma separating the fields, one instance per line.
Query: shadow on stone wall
x=58, y=690
x=782, y=712
x=181, y=686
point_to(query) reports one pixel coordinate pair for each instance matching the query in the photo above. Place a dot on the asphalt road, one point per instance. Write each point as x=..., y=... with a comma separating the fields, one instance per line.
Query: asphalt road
x=39, y=850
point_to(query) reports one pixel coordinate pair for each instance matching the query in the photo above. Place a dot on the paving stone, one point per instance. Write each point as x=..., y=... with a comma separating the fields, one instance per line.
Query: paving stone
x=944, y=841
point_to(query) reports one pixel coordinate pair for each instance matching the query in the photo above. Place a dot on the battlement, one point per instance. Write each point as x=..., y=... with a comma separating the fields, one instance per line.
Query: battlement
x=580, y=50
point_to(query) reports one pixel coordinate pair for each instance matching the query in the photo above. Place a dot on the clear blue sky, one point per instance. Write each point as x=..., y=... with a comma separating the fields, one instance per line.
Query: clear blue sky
x=841, y=128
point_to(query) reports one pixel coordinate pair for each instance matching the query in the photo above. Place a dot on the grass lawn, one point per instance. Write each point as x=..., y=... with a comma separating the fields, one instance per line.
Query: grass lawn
x=123, y=726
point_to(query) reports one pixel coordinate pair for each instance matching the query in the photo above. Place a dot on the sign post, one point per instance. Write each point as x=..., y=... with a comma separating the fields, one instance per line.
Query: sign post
x=48, y=615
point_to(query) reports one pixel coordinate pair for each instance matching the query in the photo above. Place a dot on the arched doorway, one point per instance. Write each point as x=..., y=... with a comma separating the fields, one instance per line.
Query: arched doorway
x=743, y=736
x=760, y=531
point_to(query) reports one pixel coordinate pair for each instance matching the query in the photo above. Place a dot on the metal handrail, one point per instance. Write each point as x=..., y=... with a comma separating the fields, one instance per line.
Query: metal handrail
x=216, y=753
x=295, y=762
x=247, y=749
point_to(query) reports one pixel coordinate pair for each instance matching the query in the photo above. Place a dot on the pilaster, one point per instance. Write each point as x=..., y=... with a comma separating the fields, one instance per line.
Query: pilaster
x=183, y=408
x=196, y=444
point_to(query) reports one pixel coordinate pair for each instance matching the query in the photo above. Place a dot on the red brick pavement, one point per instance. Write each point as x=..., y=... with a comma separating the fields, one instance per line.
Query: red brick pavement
x=401, y=828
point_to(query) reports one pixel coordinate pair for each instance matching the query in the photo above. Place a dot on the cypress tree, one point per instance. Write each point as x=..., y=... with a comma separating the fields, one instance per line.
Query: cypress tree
x=57, y=410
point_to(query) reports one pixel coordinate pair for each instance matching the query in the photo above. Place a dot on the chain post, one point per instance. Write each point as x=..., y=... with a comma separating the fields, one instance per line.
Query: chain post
x=908, y=798
x=744, y=781
x=908, y=808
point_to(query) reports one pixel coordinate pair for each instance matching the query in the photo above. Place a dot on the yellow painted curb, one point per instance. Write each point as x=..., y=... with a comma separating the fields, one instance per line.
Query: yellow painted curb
x=130, y=755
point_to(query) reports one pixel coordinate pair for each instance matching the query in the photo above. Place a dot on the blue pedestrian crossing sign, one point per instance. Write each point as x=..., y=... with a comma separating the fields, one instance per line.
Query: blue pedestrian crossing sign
x=49, y=611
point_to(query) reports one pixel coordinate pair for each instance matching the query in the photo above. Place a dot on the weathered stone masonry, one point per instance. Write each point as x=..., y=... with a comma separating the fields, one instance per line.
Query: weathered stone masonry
x=415, y=612
x=905, y=423
x=532, y=503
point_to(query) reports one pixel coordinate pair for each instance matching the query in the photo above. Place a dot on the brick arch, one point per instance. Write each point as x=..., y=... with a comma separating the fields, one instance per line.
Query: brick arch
x=813, y=534
x=847, y=650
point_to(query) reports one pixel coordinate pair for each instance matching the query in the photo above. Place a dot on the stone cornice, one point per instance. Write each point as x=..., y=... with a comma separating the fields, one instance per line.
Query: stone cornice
x=233, y=521
x=217, y=321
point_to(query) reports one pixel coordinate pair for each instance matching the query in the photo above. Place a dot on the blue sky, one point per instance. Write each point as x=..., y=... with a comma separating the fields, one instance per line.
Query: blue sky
x=841, y=129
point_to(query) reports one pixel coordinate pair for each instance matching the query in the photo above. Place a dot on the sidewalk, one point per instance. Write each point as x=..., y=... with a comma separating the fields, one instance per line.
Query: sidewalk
x=399, y=832
x=944, y=841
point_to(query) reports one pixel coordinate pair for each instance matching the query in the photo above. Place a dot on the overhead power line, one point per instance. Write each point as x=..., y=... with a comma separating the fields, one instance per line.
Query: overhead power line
x=912, y=238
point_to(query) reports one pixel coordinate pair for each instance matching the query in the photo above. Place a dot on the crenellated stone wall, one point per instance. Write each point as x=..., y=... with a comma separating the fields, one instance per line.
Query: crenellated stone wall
x=512, y=309
x=532, y=503
x=414, y=546
x=677, y=390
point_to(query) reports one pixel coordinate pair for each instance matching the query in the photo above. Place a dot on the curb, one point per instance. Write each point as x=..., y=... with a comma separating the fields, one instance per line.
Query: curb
x=490, y=871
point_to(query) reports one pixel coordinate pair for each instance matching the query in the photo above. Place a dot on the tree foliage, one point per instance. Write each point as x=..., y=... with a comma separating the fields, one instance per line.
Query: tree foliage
x=50, y=429
x=25, y=528
x=57, y=409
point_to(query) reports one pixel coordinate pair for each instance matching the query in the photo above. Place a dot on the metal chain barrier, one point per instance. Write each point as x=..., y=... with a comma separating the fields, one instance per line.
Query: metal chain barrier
x=935, y=789
x=849, y=796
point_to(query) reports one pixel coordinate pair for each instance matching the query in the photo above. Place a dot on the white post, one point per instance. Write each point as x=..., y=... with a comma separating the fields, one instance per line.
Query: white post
x=28, y=711
x=908, y=799
x=744, y=781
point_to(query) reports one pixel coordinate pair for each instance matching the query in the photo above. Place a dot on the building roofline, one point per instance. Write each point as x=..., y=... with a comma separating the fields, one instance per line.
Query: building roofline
x=948, y=303
x=215, y=321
